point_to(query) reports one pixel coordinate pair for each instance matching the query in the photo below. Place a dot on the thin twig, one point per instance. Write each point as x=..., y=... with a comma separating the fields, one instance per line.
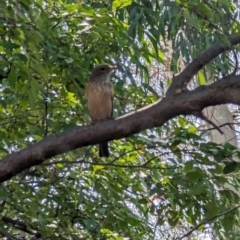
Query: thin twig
x=207, y=221
x=236, y=62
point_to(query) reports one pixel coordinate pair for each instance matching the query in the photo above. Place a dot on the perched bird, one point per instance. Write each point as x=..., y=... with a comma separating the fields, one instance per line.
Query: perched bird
x=99, y=94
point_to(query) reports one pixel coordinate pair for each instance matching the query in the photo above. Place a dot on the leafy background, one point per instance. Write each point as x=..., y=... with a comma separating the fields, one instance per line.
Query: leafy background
x=156, y=184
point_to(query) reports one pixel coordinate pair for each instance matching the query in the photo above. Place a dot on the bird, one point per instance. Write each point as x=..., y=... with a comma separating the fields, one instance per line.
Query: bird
x=99, y=94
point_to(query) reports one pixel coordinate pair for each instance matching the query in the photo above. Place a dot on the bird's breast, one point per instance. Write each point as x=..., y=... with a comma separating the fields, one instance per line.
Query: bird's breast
x=99, y=97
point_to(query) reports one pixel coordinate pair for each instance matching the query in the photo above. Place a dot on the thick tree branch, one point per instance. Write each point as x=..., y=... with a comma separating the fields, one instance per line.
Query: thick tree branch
x=180, y=81
x=225, y=90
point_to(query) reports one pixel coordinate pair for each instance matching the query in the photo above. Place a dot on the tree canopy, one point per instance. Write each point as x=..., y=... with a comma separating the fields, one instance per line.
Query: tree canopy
x=165, y=178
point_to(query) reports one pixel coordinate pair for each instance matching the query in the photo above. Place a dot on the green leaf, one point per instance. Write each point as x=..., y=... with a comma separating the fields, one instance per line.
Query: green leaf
x=194, y=175
x=72, y=8
x=192, y=129
x=229, y=168
x=197, y=189
x=10, y=45
x=121, y=3
x=182, y=122
x=228, y=222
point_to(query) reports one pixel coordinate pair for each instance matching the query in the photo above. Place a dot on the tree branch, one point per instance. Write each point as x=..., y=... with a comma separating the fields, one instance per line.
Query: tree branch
x=180, y=81
x=184, y=103
x=226, y=90
x=19, y=225
x=8, y=236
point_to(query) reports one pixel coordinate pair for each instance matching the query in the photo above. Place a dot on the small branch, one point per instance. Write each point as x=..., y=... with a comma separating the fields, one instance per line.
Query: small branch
x=45, y=120
x=207, y=221
x=8, y=236
x=220, y=126
x=19, y=225
x=236, y=62
x=9, y=21
x=144, y=165
x=201, y=116
x=180, y=81
x=8, y=69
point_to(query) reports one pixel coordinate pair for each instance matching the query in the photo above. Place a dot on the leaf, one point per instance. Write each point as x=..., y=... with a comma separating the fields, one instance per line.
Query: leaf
x=150, y=88
x=188, y=166
x=156, y=175
x=182, y=122
x=12, y=77
x=71, y=8
x=10, y=45
x=228, y=222
x=59, y=165
x=194, y=175
x=121, y=3
x=98, y=167
x=197, y=189
x=23, y=58
x=68, y=60
x=192, y=129
x=173, y=219
x=229, y=168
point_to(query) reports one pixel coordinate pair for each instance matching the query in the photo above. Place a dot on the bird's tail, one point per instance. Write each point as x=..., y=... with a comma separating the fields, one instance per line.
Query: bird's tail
x=103, y=149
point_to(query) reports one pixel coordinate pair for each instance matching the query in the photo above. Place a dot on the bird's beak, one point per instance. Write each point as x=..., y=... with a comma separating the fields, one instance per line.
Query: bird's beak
x=113, y=68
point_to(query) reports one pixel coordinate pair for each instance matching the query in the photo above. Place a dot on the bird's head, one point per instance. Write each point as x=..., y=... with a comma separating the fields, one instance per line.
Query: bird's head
x=101, y=73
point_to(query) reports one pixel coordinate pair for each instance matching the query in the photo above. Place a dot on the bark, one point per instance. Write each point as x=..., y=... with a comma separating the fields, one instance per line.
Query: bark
x=221, y=116
x=178, y=101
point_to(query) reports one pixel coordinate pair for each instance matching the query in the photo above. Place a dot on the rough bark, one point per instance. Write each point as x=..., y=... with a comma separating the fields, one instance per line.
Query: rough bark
x=178, y=101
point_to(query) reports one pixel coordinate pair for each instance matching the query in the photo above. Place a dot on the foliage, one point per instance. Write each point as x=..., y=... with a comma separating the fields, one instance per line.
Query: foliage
x=154, y=183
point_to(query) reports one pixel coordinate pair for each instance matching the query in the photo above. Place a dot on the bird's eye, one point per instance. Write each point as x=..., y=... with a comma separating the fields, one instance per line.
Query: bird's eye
x=102, y=69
